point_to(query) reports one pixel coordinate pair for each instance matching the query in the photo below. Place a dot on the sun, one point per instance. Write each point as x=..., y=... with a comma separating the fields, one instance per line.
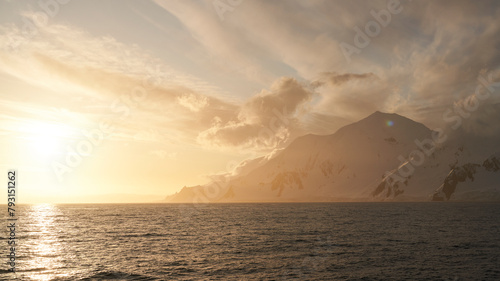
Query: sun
x=47, y=139
x=47, y=145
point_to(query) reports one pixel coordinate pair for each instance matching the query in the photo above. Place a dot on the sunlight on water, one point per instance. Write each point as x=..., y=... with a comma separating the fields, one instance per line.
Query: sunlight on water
x=354, y=241
x=46, y=250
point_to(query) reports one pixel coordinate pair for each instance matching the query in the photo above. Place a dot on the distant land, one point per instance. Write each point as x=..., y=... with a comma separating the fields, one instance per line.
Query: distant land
x=110, y=198
x=383, y=157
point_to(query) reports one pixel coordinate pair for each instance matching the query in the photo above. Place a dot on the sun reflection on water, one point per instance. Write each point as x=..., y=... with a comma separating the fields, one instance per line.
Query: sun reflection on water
x=43, y=245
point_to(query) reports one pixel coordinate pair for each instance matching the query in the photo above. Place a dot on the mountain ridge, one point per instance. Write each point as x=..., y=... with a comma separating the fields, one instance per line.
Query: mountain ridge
x=358, y=162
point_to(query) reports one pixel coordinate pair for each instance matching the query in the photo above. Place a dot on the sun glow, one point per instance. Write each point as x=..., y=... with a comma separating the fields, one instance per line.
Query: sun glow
x=47, y=139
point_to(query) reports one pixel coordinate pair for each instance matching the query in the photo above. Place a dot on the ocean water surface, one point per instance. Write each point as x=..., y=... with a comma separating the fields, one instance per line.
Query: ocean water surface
x=299, y=241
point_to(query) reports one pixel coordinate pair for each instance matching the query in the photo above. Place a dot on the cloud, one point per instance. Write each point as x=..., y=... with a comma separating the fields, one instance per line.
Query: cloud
x=72, y=54
x=425, y=55
x=425, y=59
x=352, y=96
x=193, y=102
x=262, y=37
x=334, y=78
x=101, y=78
x=266, y=121
x=484, y=121
x=222, y=43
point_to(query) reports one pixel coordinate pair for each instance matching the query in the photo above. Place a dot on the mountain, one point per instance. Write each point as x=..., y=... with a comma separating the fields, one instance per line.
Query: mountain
x=381, y=157
x=472, y=181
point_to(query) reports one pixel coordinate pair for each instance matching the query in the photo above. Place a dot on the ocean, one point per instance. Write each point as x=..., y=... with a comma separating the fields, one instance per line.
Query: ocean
x=296, y=241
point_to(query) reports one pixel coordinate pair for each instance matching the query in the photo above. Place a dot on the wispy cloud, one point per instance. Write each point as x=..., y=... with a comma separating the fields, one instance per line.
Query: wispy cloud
x=339, y=79
x=429, y=52
x=428, y=56
x=103, y=76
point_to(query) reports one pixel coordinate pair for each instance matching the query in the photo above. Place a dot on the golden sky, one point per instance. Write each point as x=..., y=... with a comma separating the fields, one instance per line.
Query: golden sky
x=141, y=98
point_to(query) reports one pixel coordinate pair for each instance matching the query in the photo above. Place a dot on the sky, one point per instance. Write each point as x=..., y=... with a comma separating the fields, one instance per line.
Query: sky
x=129, y=101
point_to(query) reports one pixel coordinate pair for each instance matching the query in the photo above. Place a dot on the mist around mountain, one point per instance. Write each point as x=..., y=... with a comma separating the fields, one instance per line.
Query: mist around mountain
x=383, y=157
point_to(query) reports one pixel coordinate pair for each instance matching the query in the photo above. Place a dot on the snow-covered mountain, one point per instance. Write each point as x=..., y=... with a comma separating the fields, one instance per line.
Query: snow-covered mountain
x=472, y=181
x=382, y=157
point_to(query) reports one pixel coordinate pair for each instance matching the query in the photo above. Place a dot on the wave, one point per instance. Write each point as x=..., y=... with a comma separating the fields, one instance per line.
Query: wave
x=117, y=275
x=145, y=235
x=4, y=271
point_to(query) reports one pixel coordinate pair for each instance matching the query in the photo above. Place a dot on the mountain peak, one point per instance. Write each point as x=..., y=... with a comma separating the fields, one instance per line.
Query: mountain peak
x=378, y=112
x=377, y=126
x=384, y=115
x=390, y=121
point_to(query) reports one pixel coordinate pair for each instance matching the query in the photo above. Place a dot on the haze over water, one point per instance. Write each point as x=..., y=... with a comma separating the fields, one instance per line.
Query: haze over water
x=321, y=241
